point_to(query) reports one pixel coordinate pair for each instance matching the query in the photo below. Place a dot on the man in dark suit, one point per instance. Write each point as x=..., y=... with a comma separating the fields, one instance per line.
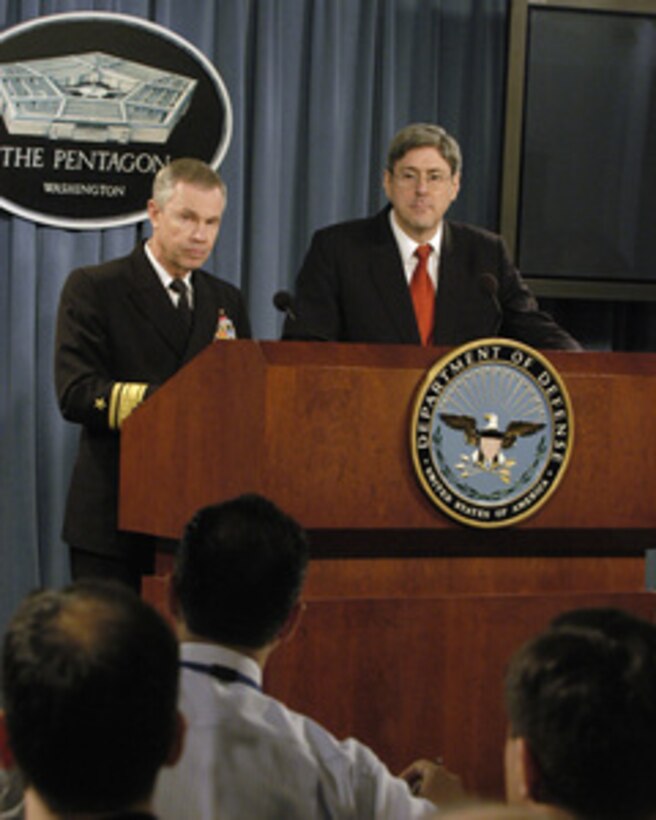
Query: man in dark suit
x=407, y=275
x=124, y=327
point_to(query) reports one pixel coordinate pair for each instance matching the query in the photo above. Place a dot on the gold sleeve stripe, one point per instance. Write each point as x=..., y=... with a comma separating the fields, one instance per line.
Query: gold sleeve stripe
x=124, y=398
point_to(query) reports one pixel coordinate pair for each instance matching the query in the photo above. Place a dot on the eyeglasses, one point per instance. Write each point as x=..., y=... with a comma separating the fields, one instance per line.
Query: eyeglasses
x=409, y=178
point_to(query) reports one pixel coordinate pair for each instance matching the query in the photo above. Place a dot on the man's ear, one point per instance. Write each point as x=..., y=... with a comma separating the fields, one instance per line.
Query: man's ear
x=529, y=772
x=515, y=769
x=387, y=183
x=177, y=744
x=153, y=212
x=532, y=777
x=456, y=187
x=288, y=629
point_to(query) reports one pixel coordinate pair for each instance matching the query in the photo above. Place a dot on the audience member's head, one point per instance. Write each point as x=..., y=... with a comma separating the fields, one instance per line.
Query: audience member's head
x=581, y=703
x=90, y=678
x=239, y=571
x=615, y=623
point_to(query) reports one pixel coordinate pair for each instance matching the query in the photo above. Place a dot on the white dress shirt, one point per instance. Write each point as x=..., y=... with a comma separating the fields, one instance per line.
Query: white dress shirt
x=248, y=757
x=407, y=247
x=166, y=279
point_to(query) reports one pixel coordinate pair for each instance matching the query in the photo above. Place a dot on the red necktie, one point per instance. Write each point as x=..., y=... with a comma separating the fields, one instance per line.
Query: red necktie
x=423, y=295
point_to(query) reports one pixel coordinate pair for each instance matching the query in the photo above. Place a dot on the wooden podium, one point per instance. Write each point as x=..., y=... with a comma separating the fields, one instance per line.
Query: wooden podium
x=411, y=617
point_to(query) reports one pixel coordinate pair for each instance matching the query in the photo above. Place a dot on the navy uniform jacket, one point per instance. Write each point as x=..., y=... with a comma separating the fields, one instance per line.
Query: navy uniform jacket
x=352, y=288
x=116, y=323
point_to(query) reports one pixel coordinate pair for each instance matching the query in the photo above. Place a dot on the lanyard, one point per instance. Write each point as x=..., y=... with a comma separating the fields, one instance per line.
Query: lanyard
x=223, y=673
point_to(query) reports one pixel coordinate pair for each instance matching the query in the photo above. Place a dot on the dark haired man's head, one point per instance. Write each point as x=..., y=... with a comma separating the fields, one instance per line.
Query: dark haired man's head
x=90, y=679
x=581, y=703
x=424, y=135
x=239, y=571
x=609, y=621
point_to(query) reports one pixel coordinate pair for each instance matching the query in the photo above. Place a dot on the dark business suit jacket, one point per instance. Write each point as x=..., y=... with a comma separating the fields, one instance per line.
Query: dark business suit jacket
x=352, y=288
x=116, y=323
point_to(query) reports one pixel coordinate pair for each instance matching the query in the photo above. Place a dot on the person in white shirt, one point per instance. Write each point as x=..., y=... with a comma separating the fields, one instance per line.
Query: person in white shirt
x=236, y=588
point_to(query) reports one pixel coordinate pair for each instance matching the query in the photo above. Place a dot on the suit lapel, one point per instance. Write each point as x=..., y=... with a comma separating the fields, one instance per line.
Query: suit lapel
x=206, y=316
x=389, y=280
x=449, y=292
x=151, y=300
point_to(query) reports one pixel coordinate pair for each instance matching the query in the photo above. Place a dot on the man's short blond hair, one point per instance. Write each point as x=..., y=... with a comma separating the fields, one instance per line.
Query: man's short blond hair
x=185, y=169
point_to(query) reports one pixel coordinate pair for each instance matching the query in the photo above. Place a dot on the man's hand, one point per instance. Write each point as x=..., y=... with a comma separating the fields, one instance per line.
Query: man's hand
x=432, y=780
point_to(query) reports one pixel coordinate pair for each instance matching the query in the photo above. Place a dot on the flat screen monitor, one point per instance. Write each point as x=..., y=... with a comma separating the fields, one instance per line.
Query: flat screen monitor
x=578, y=206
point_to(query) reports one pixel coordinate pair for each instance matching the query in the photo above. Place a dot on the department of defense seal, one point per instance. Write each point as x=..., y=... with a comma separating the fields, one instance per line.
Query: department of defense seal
x=491, y=433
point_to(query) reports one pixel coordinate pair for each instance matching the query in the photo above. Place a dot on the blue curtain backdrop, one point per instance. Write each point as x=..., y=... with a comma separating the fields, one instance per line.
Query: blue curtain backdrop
x=318, y=88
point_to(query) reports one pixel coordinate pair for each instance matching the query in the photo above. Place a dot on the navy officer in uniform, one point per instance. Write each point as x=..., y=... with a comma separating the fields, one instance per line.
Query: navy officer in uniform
x=123, y=328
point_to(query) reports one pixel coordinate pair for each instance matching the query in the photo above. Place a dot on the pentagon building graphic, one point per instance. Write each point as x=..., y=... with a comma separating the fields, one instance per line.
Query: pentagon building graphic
x=92, y=97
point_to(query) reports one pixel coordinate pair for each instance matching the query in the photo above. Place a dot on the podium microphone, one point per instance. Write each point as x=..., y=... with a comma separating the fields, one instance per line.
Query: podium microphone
x=283, y=301
x=295, y=329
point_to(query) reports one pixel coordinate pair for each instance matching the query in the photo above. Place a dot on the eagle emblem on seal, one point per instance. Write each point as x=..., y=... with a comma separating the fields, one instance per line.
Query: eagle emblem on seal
x=488, y=442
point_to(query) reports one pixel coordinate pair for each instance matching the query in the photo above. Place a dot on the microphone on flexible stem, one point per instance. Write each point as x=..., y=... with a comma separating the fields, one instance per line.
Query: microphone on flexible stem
x=489, y=284
x=283, y=301
x=294, y=329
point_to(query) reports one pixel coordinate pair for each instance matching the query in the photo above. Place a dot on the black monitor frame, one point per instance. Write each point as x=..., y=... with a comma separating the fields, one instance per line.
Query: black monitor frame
x=512, y=150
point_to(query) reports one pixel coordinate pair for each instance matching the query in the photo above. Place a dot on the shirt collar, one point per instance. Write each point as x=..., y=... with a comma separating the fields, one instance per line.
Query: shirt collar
x=164, y=276
x=408, y=246
x=214, y=653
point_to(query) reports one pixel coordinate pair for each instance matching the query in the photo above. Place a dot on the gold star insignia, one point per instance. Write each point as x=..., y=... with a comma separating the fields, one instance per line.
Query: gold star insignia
x=100, y=403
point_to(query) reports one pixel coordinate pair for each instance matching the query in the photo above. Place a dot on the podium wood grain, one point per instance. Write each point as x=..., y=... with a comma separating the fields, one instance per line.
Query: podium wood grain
x=411, y=617
x=324, y=430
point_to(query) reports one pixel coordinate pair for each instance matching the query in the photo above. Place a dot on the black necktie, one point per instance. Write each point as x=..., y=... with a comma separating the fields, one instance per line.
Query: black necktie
x=183, y=308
